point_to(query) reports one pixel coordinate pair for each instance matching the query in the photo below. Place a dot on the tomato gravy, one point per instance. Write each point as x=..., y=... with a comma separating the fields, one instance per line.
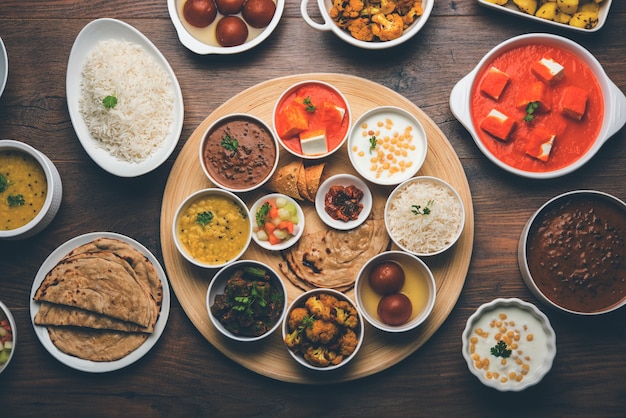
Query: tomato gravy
x=572, y=137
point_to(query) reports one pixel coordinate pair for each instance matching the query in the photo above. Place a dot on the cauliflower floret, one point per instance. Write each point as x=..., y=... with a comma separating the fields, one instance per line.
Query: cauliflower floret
x=388, y=27
x=321, y=305
x=361, y=29
x=348, y=343
x=410, y=12
x=375, y=7
x=345, y=314
x=297, y=318
x=346, y=9
x=317, y=356
x=293, y=340
x=321, y=331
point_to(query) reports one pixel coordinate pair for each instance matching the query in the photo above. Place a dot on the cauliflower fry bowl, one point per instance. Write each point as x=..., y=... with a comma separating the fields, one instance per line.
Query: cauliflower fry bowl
x=323, y=329
x=371, y=24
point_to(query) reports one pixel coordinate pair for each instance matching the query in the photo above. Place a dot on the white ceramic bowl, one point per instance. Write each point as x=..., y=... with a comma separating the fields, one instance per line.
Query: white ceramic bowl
x=293, y=89
x=5, y=312
x=538, y=341
x=288, y=242
x=600, y=251
x=202, y=194
x=401, y=202
x=300, y=302
x=4, y=67
x=614, y=100
x=53, y=198
x=112, y=29
x=405, y=141
x=328, y=24
x=419, y=287
x=218, y=286
x=344, y=180
x=202, y=42
x=511, y=8
x=248, y=185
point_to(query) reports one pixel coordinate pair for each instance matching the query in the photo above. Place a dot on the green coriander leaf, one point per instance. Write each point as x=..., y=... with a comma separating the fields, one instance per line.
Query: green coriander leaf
x=109, y=102
x=530, y=110
x=204, y=218
x=310, y=107
x=3, y=183
x=418, y=210
x=372, y=143
x=229, y=143
x=500, y=350
x=15, y=200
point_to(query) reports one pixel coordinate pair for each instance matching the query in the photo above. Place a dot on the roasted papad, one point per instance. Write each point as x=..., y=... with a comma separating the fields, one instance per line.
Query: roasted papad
x=105, y=291
x=95, y=345
x=333, y=258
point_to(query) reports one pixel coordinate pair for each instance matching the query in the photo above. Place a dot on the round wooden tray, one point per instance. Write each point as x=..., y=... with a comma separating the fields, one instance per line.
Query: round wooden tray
x=270, y=358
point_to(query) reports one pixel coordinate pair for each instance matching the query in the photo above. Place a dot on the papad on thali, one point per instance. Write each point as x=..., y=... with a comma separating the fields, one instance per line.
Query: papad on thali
x=122, y=309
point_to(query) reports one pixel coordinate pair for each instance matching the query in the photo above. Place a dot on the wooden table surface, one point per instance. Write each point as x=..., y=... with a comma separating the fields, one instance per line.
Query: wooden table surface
x=184, y=375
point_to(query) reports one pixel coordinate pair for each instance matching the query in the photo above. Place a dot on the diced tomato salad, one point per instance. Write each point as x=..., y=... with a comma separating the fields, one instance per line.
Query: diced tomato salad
x=276, y=221
x=6, y=339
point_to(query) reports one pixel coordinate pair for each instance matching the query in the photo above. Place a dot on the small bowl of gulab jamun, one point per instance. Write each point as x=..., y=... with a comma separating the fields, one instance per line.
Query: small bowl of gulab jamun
x=571, y=253
x=224, y=26
x=395, y=291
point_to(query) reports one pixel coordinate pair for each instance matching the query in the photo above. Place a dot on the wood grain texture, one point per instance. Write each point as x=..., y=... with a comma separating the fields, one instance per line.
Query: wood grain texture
x=272, y=359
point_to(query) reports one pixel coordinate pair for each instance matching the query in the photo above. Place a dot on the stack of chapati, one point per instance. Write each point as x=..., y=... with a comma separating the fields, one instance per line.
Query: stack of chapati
x=101, y=301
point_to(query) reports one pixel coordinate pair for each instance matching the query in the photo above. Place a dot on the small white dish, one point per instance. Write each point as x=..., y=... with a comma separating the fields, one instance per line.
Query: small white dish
x=4, y=66
x=373, y=143
x=614, y=101
x=9, y=316
x=54, y=194
x=283, y=245
x=511, y=8
x=419, y=280
x=194, y=44
x=344, y=180
x=536, y=341
x=88, y=365
x=94, y=32
x=218, y=286
x=329, y=24
x=411, y=207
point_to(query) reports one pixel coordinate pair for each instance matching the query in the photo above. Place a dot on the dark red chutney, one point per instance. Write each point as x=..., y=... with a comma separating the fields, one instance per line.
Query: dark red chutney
x=576, y=253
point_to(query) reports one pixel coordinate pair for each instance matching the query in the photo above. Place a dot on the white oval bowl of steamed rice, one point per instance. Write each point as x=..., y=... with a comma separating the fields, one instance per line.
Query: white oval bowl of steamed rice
x=123, y=98
x=424, y=216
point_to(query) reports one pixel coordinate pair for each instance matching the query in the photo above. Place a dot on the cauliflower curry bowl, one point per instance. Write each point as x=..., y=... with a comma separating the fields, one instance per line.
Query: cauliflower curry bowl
x=323, y=329
x=370, y=24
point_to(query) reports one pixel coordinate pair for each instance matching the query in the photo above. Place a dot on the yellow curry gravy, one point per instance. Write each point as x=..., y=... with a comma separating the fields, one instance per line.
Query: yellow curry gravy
x=576, y=253
x=23, y=189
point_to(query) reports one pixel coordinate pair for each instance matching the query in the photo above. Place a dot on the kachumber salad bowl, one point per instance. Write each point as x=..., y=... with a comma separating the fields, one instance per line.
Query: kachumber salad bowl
x=360, y=243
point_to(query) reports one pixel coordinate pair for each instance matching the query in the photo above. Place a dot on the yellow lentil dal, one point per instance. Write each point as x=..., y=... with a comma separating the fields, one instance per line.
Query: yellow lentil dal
x=23, y=189
x=222, y=238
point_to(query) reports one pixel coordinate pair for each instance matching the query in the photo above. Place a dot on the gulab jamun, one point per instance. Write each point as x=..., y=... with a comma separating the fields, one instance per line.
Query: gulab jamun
x=395, y=309
x=258, y=13
x=199, y=13
x=229, y=7
x=231, y=31
x=386, y=277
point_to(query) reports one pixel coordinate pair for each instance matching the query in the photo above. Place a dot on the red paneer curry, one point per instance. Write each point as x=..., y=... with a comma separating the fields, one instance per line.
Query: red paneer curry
x=537, y=108
x=312, y=120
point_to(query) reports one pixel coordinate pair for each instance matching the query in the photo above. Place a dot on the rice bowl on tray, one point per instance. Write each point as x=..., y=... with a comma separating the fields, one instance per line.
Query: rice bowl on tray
x=124, y=100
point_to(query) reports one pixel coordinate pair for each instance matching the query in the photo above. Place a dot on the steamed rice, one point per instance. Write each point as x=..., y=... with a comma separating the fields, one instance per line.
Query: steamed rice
x=140, y=121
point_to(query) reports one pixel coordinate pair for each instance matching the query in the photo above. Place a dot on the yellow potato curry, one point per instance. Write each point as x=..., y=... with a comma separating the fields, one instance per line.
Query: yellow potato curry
x=23, y=189
x=213, y=229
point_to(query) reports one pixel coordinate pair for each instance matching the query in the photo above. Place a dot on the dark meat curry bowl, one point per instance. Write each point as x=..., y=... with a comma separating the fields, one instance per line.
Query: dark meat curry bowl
x=246, y=301
x=572, y=254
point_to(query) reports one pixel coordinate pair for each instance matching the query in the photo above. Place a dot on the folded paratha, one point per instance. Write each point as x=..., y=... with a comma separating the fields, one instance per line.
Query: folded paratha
x=333, y=258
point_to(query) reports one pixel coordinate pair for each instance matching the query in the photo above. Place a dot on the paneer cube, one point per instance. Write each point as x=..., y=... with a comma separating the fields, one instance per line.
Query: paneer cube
x=332, y=116
x=295, y=120
x=540, y=144
x=574, y=102
x=538, y=93
x=494, y=83
x=548, y=70
x=498, y=124
x=314, y=142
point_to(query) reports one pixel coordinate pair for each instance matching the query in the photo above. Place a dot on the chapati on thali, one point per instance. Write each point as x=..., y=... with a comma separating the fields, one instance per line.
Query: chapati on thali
x=100, y=301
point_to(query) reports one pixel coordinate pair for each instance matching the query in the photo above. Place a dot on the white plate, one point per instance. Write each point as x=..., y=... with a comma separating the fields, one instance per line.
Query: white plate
x=343, y=180
x=88, y=365
x=86, y=40
x=4, y=66
x=511, y=8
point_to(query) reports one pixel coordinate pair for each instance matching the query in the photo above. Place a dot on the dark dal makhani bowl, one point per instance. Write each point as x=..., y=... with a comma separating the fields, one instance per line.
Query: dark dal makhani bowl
x=572, y=253
x=239, y=152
